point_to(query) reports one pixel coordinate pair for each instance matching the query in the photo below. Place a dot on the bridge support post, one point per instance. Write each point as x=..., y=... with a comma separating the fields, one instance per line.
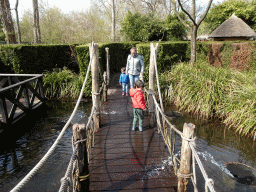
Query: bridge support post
x=80, y=173
x=186, y=157
x=105, y=87
x=107, y=67
x=95, y=85
x=151, y=86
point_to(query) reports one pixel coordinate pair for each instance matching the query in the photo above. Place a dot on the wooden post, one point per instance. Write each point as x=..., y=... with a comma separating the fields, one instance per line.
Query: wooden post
x=105, y=87
x=151, y=86
x=95, y=85
x=186, y=157
x=107, y=67
x=80, y=173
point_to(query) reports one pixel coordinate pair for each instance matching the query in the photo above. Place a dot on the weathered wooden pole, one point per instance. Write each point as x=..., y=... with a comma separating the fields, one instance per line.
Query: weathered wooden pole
x=186, y=157
x=95, y=85
x=151, y=86
x=105, y=87
x=80, y=173
x=107, y=67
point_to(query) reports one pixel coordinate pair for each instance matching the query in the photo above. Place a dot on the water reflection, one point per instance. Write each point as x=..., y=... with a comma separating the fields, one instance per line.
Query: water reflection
x=19, y=155
x=216, y=146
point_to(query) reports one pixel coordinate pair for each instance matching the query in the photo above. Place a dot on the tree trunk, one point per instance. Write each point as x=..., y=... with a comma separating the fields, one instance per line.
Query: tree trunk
x=113, y=21
x=193, y=44
x=6, y=16
x=37, y=35
x=18, y=22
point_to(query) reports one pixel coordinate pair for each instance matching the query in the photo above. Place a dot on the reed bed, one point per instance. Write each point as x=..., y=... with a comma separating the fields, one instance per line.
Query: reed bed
x=62, y=83
x=211, y=92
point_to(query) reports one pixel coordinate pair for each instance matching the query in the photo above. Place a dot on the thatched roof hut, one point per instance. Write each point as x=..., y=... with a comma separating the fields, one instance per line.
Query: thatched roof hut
x=232, y=29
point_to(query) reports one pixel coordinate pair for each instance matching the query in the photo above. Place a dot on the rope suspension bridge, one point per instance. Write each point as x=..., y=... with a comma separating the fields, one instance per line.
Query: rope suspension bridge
x=108, y=155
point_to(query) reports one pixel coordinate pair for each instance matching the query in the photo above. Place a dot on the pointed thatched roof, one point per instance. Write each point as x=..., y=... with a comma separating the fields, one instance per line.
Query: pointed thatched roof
x=233, y=27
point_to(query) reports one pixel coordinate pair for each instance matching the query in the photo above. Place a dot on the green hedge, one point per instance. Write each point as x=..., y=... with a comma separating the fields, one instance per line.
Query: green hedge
x=33, y=59
x=169, y=53
x=118, y=55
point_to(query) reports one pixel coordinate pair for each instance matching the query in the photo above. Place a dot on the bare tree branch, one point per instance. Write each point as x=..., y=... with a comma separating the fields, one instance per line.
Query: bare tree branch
x=205, y=13
x=190, y=17
x=178, y=15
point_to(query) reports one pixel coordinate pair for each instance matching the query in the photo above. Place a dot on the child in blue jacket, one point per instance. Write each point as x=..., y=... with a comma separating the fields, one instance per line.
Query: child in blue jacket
x=124, y=80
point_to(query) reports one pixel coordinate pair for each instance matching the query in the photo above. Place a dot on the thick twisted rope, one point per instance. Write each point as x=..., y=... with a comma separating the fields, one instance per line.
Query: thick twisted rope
x=208, y=182
x=53, y=147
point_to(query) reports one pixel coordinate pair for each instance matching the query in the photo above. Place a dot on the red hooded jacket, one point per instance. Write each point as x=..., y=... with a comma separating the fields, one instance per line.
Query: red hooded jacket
x=138, y=100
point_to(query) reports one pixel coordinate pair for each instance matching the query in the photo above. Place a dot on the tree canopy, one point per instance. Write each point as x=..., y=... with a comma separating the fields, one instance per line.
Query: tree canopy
x=147, y=27
x=244, y=9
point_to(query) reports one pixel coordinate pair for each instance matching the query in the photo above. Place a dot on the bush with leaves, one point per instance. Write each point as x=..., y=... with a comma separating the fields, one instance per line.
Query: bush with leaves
x=175, y=30
x=138, y=27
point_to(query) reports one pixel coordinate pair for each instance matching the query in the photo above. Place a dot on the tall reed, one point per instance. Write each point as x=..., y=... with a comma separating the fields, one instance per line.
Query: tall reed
x=211, y=92
x=62, y=83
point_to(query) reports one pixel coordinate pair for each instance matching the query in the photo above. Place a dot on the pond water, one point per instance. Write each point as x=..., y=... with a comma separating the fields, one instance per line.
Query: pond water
x=20, y=155
x=216, y=146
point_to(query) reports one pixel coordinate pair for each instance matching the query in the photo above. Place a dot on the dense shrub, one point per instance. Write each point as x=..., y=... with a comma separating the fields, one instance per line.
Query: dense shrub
x=168, y=54
x=33, y=59
x=118, y=56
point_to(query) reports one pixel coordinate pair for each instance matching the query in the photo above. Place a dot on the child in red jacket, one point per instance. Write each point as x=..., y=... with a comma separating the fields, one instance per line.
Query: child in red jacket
x=138, y=104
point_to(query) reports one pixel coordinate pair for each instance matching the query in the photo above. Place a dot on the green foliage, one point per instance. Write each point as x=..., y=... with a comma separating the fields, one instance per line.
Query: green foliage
x=174, y=28
x=57, y=27
x=169, y=53
x=33, y=59
x=61, y=84
x=243, y=9
x=138, y=27
x=213, y=92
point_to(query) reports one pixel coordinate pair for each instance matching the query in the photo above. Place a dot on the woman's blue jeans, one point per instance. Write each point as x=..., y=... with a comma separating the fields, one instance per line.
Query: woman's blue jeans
x=133, y=79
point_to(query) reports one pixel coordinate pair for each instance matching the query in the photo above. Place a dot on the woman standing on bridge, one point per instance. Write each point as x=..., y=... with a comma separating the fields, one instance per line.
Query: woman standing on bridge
x=134, y=66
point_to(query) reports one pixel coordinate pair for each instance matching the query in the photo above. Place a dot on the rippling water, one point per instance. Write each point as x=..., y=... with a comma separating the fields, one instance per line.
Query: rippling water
x=21, y=155
x=216, y=146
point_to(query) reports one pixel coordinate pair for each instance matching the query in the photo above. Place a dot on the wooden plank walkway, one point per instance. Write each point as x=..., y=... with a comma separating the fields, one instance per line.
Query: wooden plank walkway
x=126, y=160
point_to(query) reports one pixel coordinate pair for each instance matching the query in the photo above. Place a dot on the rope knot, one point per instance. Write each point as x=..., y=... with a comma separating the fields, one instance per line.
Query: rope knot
x=186, y=176
x=207, y=182
x=189, y=140
x=79, y=141
x=95, y=93
x=66, y=181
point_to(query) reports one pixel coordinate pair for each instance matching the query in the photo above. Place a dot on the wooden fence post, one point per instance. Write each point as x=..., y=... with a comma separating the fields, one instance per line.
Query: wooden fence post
x=105, y=87
x=186, y=157
x=80, y=173
x=107, y=67
x=151, y=86
x=95, y=85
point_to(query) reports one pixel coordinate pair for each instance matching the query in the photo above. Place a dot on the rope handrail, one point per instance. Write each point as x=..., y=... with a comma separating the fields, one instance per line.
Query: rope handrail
x=66, y=178
x=208, y=181
x=164, y=116
x=54, y=145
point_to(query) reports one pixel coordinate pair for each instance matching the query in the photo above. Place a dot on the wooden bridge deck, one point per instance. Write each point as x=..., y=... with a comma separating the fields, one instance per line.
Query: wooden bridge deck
x=127, y=160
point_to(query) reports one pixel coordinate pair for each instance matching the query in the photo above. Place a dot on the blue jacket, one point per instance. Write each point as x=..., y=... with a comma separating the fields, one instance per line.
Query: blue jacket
x=124, y=78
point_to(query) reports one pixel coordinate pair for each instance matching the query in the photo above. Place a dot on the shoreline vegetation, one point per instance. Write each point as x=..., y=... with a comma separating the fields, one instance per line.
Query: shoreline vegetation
x=206, y=91
x=213, y=93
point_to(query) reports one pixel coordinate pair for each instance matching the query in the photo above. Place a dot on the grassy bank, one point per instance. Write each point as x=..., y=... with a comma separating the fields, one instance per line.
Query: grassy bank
x=211, y=92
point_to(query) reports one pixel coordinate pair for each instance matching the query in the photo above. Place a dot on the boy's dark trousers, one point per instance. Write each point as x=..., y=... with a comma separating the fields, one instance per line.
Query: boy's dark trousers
x=138, y=114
